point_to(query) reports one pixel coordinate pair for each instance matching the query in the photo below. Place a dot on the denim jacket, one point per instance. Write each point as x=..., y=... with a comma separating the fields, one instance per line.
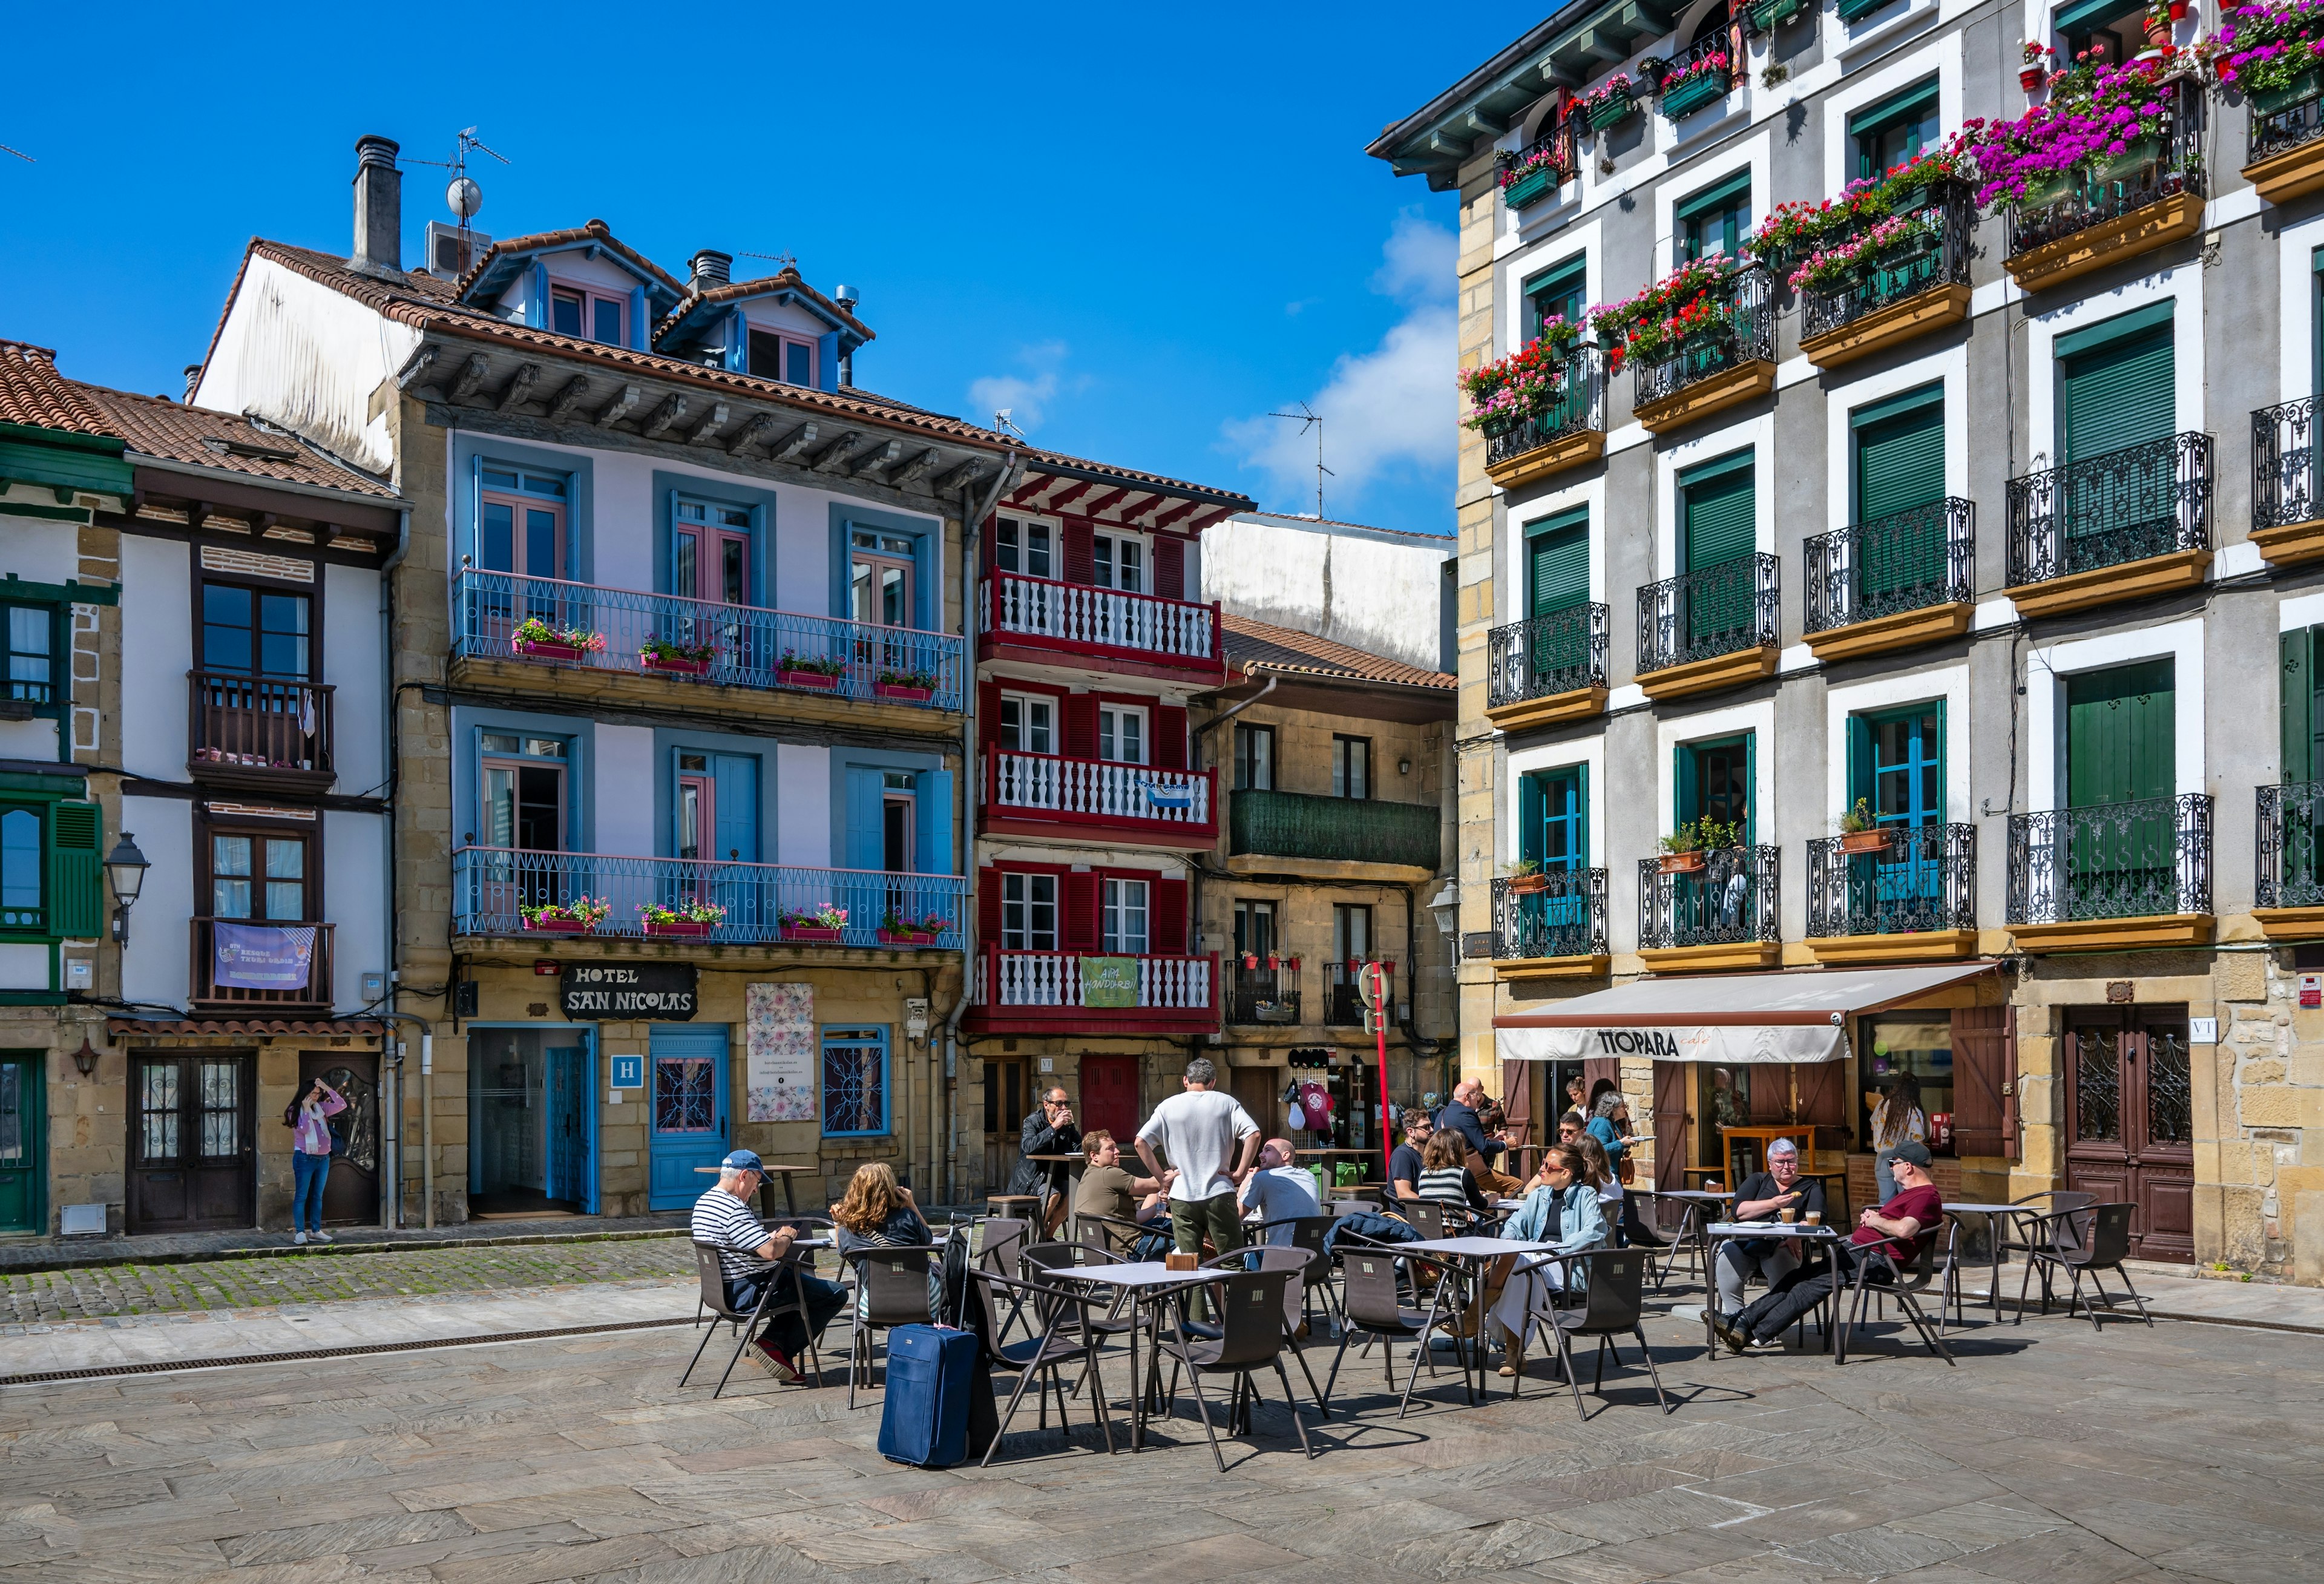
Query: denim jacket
x=1581, y=1224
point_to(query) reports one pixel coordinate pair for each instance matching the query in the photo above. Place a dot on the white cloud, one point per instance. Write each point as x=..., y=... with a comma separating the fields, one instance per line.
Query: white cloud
x=1383, y=410
x=1022, y=396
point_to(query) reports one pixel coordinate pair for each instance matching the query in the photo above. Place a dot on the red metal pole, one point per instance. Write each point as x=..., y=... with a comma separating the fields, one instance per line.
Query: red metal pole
x=1379, y=1027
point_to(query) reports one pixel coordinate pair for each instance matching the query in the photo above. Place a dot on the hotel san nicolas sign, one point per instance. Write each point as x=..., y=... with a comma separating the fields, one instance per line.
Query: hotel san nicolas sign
x=619, y=992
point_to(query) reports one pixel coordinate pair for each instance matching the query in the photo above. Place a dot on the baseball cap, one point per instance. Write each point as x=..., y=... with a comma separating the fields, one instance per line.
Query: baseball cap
x=744, y=1160
x=1912, y=1150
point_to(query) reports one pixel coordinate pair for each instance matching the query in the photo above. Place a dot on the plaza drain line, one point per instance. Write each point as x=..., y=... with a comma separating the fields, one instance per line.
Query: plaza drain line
x=353, y=1351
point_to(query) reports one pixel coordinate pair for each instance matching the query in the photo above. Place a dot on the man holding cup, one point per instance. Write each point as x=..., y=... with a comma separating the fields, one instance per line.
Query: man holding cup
x=1777, y=1194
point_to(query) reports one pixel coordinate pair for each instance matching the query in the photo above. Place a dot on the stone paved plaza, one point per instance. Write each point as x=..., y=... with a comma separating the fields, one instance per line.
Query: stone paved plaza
x=2050, y=1456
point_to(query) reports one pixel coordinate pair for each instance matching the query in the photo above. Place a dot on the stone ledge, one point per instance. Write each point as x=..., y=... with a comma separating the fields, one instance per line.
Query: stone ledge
x=1903, y=630
x=1723, y=957
x=1748, y=665
x=2115, y=935
x=1934, y=946
x=2292, y=174
x=2094, y=247
x=1524, y=968
x=2288, y=544
x=1575, y=703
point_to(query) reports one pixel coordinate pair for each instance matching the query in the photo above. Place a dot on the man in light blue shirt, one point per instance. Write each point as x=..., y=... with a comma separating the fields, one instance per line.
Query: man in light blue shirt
x=1280, y=1190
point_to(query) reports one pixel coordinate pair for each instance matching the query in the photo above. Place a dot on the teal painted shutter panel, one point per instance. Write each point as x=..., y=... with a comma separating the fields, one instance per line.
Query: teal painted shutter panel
x=2296, y=691
x=738, y=807
x=2116, y=395
x=1688, y=782
x=863, y=838
x=1860, y=758
x=932, y=822
x=1582, y=816
x=1558, y=569
x=1751, y=789
x=1900, y=463
x=1530, y=814
x=1721, y=519
x=1936, y=751
x=2121, y=742
x=76, y=875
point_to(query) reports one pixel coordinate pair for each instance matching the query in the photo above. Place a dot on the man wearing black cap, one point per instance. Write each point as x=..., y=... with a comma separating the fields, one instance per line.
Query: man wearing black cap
x=1898, y=1229
x=751, y=1257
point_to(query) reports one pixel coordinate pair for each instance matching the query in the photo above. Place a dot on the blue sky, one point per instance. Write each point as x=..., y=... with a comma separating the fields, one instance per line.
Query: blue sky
x=1140, y=228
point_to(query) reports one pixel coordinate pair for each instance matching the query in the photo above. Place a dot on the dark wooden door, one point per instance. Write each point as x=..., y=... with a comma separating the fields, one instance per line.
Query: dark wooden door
x=1258, y=1089
x=1672, y=1141
x=192, y=1155
x=1110, y=1098
x=1006, y=1101
x=351, y=1192
x=2130, y=1123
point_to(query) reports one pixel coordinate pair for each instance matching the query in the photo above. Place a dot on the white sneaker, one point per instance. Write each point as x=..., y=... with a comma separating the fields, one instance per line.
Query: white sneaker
x=322, y=1238
x=298, y=1238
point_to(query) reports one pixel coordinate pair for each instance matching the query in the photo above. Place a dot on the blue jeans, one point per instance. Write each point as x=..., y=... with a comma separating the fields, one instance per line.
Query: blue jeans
x=784, y=1331
x=307, y=1173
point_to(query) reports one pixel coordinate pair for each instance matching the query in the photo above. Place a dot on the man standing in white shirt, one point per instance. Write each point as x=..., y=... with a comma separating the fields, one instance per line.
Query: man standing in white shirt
x=1200, y=1131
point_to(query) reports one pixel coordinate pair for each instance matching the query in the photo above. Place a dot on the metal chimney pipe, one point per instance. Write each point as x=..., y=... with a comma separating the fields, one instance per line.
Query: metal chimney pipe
x=711, y=268
x=378, y=207
x=193, y=379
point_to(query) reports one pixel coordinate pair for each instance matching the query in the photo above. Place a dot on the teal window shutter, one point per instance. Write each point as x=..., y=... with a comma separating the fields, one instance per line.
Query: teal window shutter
x=2114, y=393
x=1557, y=563
x=2121, y=741
x=76, y=874
x=932, y=822
x=1900, y=454
x=1687, y=805
x=2296, y=685
x=1530, y=821
x=865, y=836
x=1894, y=129
x=1582, y=816
x=1555, y=293
x=1860, y=758
x=1751, y=789
x=1720, y=512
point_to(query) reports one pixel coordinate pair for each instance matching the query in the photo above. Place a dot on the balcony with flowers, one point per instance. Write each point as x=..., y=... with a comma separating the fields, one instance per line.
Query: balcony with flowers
x=1541, y=410
x=1697, y=77
x=1535, y=172
x=1703, y=339
x=2275, y=55
x=1611, y=102
x=1884, y=262
x=2109, y=168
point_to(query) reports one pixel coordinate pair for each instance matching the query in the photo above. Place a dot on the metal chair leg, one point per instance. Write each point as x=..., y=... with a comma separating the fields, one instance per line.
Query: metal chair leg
x=1653, y=1373
x=2135, y=1298
x=1015, y=1397
x=1291, y=1405
x=1332, y=1378
x=1194, y=1378
x=697, y=1352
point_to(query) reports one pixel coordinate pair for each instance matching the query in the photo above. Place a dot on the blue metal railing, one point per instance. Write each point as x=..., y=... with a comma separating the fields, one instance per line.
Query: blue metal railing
x=747, y=647
x=493, y=886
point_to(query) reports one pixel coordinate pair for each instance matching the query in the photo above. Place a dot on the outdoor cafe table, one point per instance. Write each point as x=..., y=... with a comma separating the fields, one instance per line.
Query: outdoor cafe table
x=1696, y=1204
x=1148, y=1282
x=1462, y=1254
x=1996, y=1223
x=1717, y=1231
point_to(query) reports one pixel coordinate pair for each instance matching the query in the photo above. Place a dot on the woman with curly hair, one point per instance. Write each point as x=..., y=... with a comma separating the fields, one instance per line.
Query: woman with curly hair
x=876, y=1213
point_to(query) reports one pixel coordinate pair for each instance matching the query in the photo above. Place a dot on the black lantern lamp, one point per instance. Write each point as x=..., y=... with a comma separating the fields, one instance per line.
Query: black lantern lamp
x=125, y=871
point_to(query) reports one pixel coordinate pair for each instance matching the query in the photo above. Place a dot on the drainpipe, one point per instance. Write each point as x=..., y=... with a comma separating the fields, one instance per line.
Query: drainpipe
x=387, y=892
x=427, y=1115
x=972, y=515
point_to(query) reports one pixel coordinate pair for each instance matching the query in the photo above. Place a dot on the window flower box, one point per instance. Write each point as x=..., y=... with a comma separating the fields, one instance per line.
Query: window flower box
x=684, y=929
x=536, y=649
x=1861, y=842
x=1609, y=107
x=1683, y=862
x=1705, y=79
x=1532, y=186
x=814, y=681
x=2275, y=101
x=1769, y=16
x=677, y=667
x=561, y=926
x=903, y=691
x=907, y=937
x=814, y=935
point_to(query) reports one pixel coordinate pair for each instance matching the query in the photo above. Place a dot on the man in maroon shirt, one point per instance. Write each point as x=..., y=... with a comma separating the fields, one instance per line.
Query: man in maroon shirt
x=1897, y=1228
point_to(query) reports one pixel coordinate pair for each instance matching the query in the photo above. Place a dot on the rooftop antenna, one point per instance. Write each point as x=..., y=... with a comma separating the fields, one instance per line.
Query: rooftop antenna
x=20, y=154
x=784, y=259
x=1005, y=419
x=1306, y=418
x=462, y=196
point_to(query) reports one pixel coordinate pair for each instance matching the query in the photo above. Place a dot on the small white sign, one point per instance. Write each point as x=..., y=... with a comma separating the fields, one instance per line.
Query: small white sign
x=2202, y=1031
x=1048, y=1065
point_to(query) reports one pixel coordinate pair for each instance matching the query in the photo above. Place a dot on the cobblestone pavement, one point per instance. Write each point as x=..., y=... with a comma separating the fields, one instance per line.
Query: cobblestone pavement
x=304, y=1277
x=2052, y=1455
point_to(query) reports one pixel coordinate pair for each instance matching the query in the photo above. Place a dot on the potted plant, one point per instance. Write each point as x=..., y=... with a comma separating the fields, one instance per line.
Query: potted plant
x=821, y=673
x=916, y=685
x=1860, y=830
x=2271, y=53
x=577, y=917
x=1697, y=83
x=667, y=654
x=826, y=924
x=1686, y=849
x=691, y=919
x=896, y=930
x=1615, y=102
x=2035, y=69
x=1525, y=878
x=1533, y=175
x=536, y=639
x=2158, y=25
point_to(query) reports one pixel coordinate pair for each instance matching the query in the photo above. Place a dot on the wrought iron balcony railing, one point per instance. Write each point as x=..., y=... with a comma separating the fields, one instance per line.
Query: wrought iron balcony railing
x=1343, y=1003
x=1064, y=985
x=1080, y=618
x=2283, y=464
x=2150, y=171
x=1543, y=656
x=1576, y=406
x=1348, y=830
x=257, y=732
x=1100, y=792
x=1906, y=562
x=2127, y=505
x=1731, y=900
x=2147, y=858
x=2277, y=126
x=1941, y=260
x=1700, y=73
x=747, y=647
x=1264, y=995
x=231, y=977
x=763, y=902
x=1743, y=331
x=1553, y=163
x=2289, y=867
x=1924, y=879
x=1721, y=610
x=1558, y=913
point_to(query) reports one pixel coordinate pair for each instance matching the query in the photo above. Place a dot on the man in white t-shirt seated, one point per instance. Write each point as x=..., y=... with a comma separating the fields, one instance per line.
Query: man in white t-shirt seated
x=1280, y=1190
x=1214, y=1145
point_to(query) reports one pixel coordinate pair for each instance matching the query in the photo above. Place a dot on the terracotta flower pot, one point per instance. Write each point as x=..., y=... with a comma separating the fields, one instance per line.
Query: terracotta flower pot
x=2158, y=34
x=1527, y=885
x=1683, y=862
x=1874, y=841
x=2032, y=78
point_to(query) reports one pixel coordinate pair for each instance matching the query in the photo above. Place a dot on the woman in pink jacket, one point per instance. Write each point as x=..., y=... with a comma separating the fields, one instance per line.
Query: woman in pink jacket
x=310, y=1158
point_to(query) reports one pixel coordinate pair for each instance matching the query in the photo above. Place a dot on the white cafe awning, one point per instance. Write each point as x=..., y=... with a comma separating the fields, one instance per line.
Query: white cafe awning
x=1743, y=1019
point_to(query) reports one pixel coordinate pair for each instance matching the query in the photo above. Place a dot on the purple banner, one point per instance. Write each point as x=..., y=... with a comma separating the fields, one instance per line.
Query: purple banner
x=263, y=957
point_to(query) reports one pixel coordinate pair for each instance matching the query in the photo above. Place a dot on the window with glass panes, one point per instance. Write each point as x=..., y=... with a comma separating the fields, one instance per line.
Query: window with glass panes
x=252, y=631
x=1351, y=766
x=1254, y=758
x=258, y=875
x=1027, y=723
x=1029, y=912
x=1122, y=932
x=1121, y=735
x=1716, y=220
x=587, y=316
x=1714, y=783
x=521, y=522
x=1255, y=929
x=1893, y=130
x=1556, y=293
x=710, y=547
x=1895, y=764
x=32, y=652
x=1024, y=547
x=1118, y=561
x=23, y=861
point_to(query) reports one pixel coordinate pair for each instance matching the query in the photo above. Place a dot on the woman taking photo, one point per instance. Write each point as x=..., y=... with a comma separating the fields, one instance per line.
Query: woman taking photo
x=1610, y=1127
x=310, y=1158
x=876, y=1213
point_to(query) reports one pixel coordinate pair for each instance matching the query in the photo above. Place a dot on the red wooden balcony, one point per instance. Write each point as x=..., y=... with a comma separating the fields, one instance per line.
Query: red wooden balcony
x=1066, y=992
x=1040, y=794
x=1078, y=623
x=259, y=733
x=261, y=950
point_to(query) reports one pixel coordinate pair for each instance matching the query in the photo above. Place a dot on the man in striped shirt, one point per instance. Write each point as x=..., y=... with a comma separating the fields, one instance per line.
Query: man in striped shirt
x=751, y=1257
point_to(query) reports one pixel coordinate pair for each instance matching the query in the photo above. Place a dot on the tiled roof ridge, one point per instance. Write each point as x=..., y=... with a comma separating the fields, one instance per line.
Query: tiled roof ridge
x=591, y=230
x=786, y=279
x=34, y=393
x=1327, y=653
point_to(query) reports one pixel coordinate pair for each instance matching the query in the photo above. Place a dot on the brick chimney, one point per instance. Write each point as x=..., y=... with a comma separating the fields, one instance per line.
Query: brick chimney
x=378, y=207
x=711, y=268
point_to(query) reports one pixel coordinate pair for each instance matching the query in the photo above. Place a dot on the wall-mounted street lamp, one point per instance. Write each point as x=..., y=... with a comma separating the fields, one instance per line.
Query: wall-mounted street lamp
x=1447, y=909
x=84, y=1058
x=125, y=871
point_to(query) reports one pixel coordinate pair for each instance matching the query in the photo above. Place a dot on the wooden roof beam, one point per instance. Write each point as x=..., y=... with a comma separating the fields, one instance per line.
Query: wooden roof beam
x=561, y=405
x=796, y=441
x=518, y=389
x=1164, y=519
x=1079, y=487
x=1103, y=501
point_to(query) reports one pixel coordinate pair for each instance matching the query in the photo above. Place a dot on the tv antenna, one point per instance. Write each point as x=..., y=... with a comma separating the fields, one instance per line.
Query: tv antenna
x=1006, y=420
x=784, y=259
x=1306, y=418
x=20, y=154
x=462, y=196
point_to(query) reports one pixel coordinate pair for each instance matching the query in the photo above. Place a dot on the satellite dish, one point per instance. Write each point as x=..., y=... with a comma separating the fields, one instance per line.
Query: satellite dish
x=465, y=197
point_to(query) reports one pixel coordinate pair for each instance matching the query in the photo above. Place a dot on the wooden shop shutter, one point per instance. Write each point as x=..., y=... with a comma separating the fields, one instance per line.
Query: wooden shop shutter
x=1984, y=1072
x=1077, y=931
x=1080, y=723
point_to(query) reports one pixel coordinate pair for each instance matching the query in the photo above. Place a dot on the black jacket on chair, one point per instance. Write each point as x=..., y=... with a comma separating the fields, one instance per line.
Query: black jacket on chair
x=1037, y=1137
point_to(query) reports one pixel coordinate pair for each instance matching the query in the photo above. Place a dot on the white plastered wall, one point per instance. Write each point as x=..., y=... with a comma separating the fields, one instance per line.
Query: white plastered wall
x=2046, y=670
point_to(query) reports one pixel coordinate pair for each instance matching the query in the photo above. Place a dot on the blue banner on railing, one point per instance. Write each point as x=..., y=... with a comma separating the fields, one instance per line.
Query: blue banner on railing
x=263, y=957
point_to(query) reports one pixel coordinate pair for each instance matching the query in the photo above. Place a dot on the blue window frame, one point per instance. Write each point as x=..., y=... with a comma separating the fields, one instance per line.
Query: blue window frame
x=1896, y=762
x=1554, y=824
x=855, y=1081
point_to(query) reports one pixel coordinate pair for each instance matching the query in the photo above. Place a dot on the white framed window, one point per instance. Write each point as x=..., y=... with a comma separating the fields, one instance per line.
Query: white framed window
x=1027, y=548
x=1027, y=722
x=1119, y=562
x=588, y=316
x=1121, y=733
x=1029, y=912
x=1124, y=931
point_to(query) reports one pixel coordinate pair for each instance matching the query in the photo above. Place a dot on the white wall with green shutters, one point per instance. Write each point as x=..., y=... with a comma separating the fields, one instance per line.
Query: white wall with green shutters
x=1949, y=369
x=1768, y=758
x=2181, y=286
x=1948, y=685
x=1588, y=754
x=2046, y=673
x=1755, y=434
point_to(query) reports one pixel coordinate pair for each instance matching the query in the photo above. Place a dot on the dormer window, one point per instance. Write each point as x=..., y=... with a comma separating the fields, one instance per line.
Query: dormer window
x=786, y=358
x=586, y=315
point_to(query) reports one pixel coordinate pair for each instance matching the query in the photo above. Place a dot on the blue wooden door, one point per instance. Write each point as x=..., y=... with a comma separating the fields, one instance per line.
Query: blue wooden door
x=568, y=1124
x=685, y=1090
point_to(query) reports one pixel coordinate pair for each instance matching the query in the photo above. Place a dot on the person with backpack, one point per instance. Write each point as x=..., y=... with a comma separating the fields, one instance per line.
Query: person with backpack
x=308, y=1118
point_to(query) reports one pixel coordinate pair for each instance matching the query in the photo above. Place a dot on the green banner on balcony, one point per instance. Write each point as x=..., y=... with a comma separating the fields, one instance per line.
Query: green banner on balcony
x=1108, y=981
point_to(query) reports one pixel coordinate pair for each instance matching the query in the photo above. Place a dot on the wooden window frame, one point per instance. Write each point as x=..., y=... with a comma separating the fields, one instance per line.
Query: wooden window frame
x=208, y=826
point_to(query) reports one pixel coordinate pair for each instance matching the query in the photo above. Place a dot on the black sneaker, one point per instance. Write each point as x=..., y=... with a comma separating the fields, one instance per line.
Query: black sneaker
x=1738, y=1341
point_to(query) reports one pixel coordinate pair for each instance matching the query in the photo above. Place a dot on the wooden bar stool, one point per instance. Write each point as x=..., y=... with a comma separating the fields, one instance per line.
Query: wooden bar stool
x=1026, y=1207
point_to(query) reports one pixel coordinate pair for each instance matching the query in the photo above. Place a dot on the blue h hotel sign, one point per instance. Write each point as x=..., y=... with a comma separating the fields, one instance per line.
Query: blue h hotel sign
x=628, y=1072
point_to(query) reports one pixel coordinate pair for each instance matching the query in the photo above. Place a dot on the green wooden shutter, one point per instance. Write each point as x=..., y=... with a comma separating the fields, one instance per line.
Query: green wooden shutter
x=1900, y=455
x=1686, y=804
x=1557, y=564
x=76, y=872
x=1721, y=515
x=2116, y=394
x=1557, y=291
x=2121, y=738
x=1582, y=816
x=1529, y=819
x=2296, y=706
x=1860, y=758
x=1751, y=789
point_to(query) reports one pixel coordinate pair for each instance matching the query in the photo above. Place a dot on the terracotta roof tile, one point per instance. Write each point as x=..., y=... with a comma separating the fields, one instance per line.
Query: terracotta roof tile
x=596, y=231
x=156, y=426
x=1283, y=648
x=32, y=392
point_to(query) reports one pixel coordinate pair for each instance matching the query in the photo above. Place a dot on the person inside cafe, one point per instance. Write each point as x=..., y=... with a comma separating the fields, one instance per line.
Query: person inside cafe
x=1050, y=1130
x=1460, y=1115
x=1898, y=1229
x=1280, y=1190
x=1561, y=1209
x=1568, y=1127
x=1213, y=1144
x=1896, y=1118
x=1404, y=1161
x=1107, y=1189
x=751, y=1258
x=1444, y=1175
x=1577, y=1097
x=1767, y=1196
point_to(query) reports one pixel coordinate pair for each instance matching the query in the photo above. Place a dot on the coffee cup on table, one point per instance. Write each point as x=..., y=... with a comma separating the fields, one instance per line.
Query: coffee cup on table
x=1815, y=1217
x=1787, y=1216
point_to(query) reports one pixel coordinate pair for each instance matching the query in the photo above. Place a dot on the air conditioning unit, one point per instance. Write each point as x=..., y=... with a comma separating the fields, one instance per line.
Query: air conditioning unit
x=452, y=254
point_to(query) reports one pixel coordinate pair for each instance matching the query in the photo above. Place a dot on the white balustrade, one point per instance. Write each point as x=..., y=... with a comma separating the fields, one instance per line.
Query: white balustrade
x=1099, y=789
x=1054, y=979
x=1081, y=614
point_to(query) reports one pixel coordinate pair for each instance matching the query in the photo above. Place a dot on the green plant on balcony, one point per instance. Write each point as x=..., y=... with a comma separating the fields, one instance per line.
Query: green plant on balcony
x=1615, y=102
x=1690, y=304
x=1897, y=236
x=2102, y=121
x=691, y=910
x=1504, y=393
x=1705, y=78
x=671, y=649
x=533, y=633
x=587, y=912
x=829, y=916
x=1683, y=850
x=2273, y=53
x=811, y=665
x=1533, y=175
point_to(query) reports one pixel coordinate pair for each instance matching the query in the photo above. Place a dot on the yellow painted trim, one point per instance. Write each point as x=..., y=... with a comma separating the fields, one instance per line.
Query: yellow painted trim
x=2289, y=923
x=1718, y=959
x=1934, y=946
x=2057, y=262
x=1573, y=705
x=1746, y=382
x=2291, y=174
x=1904, y=630
x=1553, y=967
x=2107, y=585
x=1743, y=666
x=2115, y=935
x=1574, y=450
x=2290, y=543
x=1898, y=322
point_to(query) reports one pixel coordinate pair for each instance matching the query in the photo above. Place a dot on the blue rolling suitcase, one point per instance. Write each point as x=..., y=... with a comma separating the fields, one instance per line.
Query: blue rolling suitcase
x=925, y=1420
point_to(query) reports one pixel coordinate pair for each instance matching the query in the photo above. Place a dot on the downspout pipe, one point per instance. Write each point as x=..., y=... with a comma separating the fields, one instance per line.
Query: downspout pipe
x=426, y=1117
x=972, y=515
x=387, y=892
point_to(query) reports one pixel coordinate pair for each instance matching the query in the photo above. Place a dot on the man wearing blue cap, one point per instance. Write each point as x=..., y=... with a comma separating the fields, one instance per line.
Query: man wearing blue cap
x=751, y=1257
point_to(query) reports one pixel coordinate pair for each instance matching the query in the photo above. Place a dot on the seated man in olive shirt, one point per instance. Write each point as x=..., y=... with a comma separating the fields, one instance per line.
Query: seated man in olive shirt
x=1108, y=1189
x=1762, y=1196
